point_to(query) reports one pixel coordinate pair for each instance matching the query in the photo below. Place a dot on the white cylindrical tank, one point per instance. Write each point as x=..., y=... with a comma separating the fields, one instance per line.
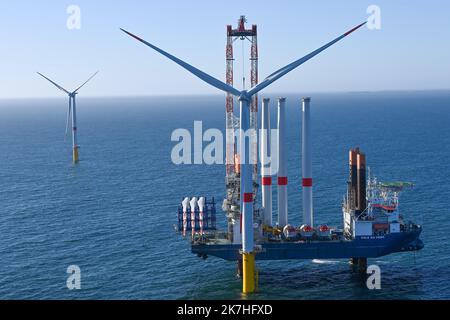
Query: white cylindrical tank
x=307, y=180
x=186, y=207
x=289, y=232
x=193, y=207
x=201, y=215
x=282, y=165
x=266, y=174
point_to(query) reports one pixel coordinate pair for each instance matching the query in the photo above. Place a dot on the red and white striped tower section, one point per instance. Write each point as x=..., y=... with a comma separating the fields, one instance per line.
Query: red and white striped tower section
x=307, y=164
x=254, y=102
x=193, y=207
x=266, y=174
x=282, y=165
x=201, y=215
x=230, y=145
x=186, y=207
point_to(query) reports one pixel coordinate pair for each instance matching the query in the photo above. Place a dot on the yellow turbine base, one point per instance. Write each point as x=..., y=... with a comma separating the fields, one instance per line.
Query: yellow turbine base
x=76, y=158
x=248, y=268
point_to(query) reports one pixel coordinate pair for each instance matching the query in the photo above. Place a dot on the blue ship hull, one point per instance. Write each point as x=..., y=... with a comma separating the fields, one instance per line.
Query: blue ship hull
x=361, y=247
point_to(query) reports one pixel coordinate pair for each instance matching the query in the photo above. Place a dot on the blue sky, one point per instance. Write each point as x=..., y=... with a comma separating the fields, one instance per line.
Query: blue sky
x=410, y=52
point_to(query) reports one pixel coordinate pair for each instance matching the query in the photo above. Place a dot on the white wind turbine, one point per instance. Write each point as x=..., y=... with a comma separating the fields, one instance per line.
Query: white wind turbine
x=248, y=259
x=72, y=110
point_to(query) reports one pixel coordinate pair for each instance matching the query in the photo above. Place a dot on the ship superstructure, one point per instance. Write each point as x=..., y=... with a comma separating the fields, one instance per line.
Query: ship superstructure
x=372, y=227
x=371, y=209
x=372, y=223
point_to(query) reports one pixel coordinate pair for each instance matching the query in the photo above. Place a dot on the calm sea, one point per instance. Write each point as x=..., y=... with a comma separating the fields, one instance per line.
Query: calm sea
x=112, y=215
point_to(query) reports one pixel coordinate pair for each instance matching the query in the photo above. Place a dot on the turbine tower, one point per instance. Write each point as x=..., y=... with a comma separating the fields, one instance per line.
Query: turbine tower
x=72, y=110
x=245, y=99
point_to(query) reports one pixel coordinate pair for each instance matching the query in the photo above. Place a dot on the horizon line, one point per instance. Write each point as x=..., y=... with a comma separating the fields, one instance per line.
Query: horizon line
x=220, y=94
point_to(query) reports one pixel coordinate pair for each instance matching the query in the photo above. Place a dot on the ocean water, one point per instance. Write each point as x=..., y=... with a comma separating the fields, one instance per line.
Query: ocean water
x=113, y=214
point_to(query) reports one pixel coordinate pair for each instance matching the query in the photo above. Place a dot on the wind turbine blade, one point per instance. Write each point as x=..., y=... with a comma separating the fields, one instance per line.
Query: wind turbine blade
x=68, y=116
x=54, y=83
x=198, y=73
x=76, y=90
x=283, y=71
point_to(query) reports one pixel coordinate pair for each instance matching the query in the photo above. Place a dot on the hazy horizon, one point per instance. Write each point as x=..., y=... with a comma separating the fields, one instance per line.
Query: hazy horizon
x=223, y=94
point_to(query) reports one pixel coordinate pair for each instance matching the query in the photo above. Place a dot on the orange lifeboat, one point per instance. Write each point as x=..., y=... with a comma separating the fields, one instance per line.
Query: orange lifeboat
x=306, y=231
x=324, y=231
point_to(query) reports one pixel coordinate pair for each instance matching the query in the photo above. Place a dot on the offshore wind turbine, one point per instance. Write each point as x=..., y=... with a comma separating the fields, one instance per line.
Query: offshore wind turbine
x=245, y=97
x=71, y=111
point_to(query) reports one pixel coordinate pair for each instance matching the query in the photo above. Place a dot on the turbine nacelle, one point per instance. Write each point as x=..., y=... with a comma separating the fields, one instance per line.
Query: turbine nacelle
x=244, y=96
